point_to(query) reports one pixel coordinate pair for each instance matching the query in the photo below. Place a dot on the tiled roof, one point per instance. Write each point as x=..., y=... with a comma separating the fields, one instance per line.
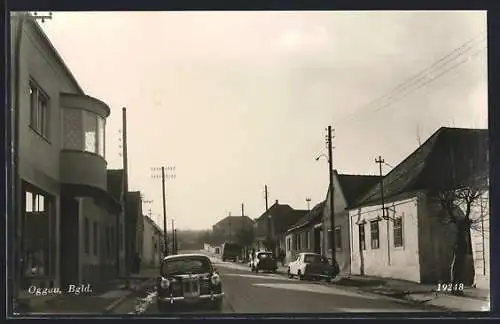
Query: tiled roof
x=235, y=218
x=353, y=186
x=283, y=216
x=449, y=158
x=310, y=217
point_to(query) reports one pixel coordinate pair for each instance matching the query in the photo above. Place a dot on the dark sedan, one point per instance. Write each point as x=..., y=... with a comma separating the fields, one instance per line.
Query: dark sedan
x=264, y=261
x=188, y=279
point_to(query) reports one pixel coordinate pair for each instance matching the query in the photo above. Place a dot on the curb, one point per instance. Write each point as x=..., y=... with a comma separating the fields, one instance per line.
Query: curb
x=120, y=300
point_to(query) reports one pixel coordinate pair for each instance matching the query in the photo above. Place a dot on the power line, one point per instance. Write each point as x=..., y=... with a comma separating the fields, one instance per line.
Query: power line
x=433, y=79
x=450, y=57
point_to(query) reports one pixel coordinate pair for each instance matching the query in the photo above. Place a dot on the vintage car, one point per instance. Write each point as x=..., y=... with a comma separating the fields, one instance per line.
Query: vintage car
x=190, y=280
x=264, y=261
x=312, y=266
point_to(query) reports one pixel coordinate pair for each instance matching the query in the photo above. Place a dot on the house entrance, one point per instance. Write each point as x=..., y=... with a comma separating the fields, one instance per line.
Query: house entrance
x=38, y=238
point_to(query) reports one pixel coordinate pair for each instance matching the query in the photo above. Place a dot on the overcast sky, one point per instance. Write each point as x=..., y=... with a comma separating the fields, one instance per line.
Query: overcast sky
x=237, y=100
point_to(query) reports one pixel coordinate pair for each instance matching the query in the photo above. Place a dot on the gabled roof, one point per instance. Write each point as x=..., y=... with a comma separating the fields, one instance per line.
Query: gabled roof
x=448, y=159
x=152, y=222
x=354, y=185
x=30, y=20
x=283, y=216
x=311, y=217
x=235, y=218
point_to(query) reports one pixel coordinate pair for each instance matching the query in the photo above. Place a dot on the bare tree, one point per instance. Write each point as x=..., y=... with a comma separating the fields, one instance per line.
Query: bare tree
x=465, y=208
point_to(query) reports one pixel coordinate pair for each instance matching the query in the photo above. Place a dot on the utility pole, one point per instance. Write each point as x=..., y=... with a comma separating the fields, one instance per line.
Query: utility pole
x=268, y=219
x=175, y=241
x=127, y=243
x=164, y=176
x=331, y=189
x=173, y=237
x=230, y=227
x=381, y=161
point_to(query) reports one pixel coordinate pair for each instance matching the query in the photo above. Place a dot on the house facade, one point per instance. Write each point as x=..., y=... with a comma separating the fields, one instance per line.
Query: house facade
x=305, y=235
x=347, y=188
x=230, y=227
x=412, y=235
x=64, y=211
x=152, y=253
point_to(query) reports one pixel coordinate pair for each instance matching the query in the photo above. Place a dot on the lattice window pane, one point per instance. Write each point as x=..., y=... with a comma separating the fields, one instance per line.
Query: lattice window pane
x=72, y=129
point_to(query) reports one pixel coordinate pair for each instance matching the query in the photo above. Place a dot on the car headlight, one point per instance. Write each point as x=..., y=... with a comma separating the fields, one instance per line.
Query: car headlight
x=164, y=283
x=215, y=279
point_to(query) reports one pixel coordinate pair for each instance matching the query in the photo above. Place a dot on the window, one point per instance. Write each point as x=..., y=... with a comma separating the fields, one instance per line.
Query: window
x=398, y=231
x=374, y=234
x=308, y=244
x=362, y=241
x=90, y=125
x=100, y=136
x=87, y=236
x=39, y=105
x=288, y=244
x=35, y=202
x=95, y=230
x=338, y=238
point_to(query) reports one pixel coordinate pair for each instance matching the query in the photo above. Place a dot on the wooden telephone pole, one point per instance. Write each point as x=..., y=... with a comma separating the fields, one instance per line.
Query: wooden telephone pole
x=266, y=196
x=381, y=161
x=332, y=195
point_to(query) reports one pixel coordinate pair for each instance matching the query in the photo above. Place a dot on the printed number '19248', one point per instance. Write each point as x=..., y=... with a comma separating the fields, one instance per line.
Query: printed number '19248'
x=450, y=287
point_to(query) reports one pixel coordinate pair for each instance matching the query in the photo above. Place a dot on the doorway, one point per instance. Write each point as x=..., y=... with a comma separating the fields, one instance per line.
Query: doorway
x=69, y=229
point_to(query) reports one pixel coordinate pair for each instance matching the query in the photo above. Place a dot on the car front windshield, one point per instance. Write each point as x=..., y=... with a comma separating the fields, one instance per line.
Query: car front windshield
x=186, y=266
x=312, y=258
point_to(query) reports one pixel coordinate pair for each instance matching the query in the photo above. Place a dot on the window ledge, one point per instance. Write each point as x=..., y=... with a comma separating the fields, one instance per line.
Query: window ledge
x=40, y=134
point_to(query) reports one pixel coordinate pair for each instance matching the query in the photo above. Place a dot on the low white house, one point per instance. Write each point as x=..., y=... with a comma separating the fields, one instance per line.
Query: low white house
x=413, y=238
x=152, y=247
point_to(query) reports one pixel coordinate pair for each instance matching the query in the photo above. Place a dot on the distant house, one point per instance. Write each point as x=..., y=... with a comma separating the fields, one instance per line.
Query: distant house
x=410, y=240
x=230, y=227
x=305, y=234
x=152, y=252
x=134, y=227
x=278, y=219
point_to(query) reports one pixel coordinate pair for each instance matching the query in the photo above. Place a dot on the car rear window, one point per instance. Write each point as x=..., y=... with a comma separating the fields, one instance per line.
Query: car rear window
x=187, y=265
x=264, y=255
x=311, y=258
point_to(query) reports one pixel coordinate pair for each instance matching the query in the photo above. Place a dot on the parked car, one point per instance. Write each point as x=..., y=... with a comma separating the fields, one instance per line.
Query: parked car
x=231, y=251
x=264, y=261
x=312, y=266
x=188, y=279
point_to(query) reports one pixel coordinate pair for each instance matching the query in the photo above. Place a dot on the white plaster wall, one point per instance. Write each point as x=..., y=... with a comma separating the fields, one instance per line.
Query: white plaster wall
x=404, y=261
x=480, y=236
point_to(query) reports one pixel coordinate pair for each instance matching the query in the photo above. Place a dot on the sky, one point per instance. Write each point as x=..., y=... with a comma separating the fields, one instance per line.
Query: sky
x=239, y=100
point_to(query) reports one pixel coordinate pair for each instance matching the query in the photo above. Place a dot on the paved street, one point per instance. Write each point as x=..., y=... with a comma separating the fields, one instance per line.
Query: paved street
x=247, y=292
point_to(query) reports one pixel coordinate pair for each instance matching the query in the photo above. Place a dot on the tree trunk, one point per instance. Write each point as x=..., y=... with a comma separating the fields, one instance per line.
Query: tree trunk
x=462, y=268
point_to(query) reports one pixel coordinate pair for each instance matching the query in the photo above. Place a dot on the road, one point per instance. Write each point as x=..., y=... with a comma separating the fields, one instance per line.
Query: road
x=263, y=293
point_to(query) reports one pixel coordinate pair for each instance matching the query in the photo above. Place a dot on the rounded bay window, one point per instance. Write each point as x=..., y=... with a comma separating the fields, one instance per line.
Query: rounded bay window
x=83, y=121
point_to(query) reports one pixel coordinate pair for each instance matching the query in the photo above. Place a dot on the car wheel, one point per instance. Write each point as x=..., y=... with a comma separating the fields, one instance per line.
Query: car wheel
x=275, y=270
x=290, y=275
x=300, y=275
x=162, y=307
x=256, y=270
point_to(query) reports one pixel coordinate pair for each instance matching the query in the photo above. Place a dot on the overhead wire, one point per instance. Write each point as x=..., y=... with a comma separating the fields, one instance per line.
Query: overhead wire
x=422, y=76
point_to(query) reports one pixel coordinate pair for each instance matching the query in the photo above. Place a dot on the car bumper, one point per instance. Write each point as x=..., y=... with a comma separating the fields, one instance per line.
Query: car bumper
x=199, y=299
